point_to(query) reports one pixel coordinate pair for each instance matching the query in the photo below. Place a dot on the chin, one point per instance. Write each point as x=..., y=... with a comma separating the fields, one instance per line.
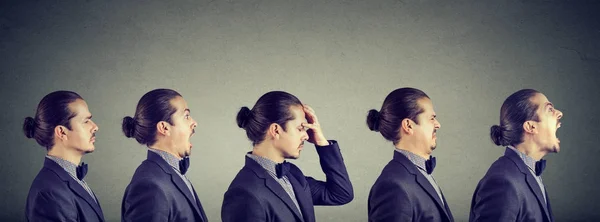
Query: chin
x=293, y=156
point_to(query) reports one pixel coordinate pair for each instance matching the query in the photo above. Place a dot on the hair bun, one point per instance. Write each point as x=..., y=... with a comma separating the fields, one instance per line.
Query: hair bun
x=497, y=135
x=243, y=116
x=29, y=127
x=128, y=126
x=373, y=120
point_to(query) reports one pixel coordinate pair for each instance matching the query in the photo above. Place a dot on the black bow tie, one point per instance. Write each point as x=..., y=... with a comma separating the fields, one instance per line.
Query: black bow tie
x=81, y=170
x=282, y=169
x=184, y=164
x=539, y=167
x=430, y=165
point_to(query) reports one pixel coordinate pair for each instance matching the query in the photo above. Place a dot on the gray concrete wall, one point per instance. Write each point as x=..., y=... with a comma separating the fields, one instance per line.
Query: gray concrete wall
x=341, y=57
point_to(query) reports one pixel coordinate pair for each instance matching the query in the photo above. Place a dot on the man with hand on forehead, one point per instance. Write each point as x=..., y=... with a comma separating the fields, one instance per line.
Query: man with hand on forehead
x=268, y=188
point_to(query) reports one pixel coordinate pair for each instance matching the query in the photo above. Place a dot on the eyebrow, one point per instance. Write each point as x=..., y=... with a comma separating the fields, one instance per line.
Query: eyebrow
x=188, y=110
x=549, y=103
x=89, y=117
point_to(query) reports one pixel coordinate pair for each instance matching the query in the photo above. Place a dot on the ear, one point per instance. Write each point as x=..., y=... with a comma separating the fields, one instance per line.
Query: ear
x=274, y=131
x=406, y=126
x=163, y=128
x=530, y=127
x=60, y=132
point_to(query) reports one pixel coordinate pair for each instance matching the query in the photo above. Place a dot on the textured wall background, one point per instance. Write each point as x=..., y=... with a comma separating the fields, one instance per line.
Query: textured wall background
x=341, y=57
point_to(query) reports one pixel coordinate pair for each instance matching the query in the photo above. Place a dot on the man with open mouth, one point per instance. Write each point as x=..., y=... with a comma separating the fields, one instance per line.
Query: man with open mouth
x=512, y=189
x=159, y=189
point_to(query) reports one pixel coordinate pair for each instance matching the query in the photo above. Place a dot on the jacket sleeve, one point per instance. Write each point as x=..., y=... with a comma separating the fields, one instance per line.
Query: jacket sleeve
x=495, y=199
x=52, y=206
x=241, y=205
x=388, y=201
x=337, y=189
x=145, y=201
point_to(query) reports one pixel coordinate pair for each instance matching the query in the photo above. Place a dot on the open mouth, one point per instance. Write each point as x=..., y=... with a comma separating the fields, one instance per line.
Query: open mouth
x=557, y=126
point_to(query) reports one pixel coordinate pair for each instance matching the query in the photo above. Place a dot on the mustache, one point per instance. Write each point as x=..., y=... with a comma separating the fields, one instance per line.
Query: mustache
x=193, y=132
x=434, y=130
x=93, y=135
x=302, y=144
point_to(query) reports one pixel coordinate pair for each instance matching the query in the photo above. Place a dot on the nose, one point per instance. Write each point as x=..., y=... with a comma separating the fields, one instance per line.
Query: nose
x=437, y=124
x=194, y=123
x=95, y=129
x=305, y=136
x=560, y=114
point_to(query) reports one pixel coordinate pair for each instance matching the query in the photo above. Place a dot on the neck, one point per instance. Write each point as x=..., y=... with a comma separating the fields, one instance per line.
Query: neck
x=165, y=146
x=267, y=150
x=411, y=146
x=531, y=149
x=64, y=153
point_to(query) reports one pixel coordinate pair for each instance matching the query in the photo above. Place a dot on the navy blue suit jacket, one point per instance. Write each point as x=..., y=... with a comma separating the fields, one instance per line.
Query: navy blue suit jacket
x=55, y=196
x=402, y=193
x=508, y=192
x=255, y=196
x=157, y=193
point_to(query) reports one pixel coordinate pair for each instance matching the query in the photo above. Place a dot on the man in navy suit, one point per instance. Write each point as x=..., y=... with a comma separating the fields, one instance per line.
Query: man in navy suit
x=512, y=189
x=62, y=125
x=159, y=189
x=268, y=188
x=406, y=190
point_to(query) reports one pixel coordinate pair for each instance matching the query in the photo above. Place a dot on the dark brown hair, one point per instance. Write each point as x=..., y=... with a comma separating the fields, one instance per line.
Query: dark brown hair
x=272, y=107
x=52, y=111
x=516, y=109
x=399, y=104
x=153, y=107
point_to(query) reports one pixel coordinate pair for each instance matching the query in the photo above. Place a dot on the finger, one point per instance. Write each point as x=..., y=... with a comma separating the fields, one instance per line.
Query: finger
x=309, y=109
x=308, y=125
x=310, y=114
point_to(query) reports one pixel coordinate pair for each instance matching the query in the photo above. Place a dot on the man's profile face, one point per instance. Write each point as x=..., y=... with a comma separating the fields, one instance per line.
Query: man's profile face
x=426, y=130
x=182, y=128
x=548, y=124
x=82, y=134
x=291, y=141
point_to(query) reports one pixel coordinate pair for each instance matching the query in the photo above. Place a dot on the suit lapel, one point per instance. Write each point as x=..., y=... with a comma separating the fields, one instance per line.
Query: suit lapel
x=531, y=182
x=303, y=196
x=273, y=186
x=176, y=179
x=448, y=212
x=74, y=186
x=199, y=205
x=549, y=207
x=421, y=180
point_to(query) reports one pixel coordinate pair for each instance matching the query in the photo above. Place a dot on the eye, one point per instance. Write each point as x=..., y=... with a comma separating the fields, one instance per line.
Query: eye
x=187, y=116
x=551, y=109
